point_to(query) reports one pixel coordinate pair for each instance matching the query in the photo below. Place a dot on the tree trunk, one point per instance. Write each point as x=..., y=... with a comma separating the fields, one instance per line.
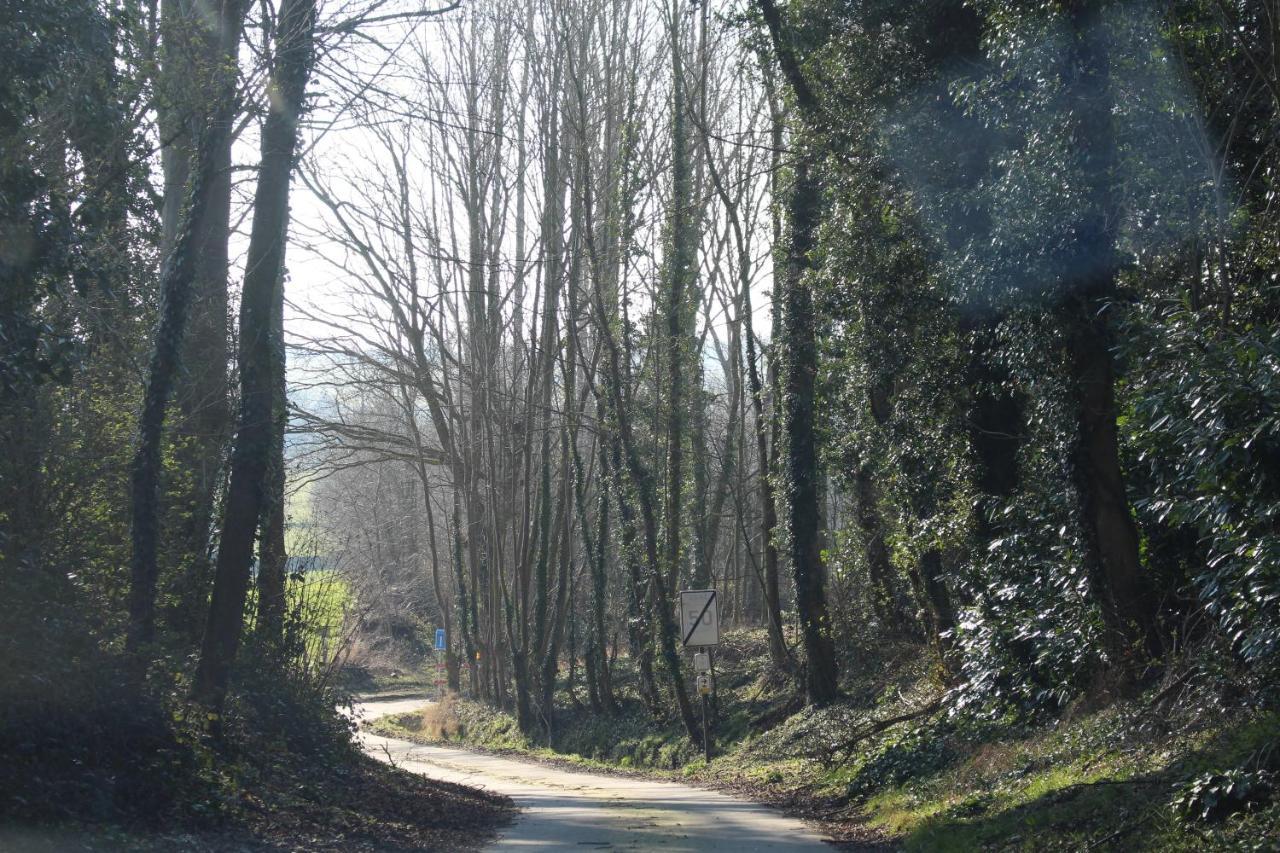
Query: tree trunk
x=264, y=268
x=551, y=654
x=886, y=599
x=798, y=360
x=176, y=283
x=466, y=607
x=703, y=518
x=442, y=601
x=800, y=496
x=600, y=601
x=679, y=273
x=191, y=59
x=1120, y=586
x=639, y=630
x=272, y=558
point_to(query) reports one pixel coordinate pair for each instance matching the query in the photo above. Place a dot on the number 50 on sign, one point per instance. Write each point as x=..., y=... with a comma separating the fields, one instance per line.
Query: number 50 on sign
x=699, y=618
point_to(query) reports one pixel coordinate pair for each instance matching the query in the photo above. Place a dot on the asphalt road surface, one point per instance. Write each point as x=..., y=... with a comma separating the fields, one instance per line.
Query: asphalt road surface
x=567, y=810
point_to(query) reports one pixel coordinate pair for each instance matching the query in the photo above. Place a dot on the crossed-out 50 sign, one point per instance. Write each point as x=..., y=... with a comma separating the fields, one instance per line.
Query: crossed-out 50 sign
x=699, y=617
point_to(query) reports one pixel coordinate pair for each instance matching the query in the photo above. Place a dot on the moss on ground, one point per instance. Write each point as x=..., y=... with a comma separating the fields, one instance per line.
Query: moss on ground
x=1097, y=782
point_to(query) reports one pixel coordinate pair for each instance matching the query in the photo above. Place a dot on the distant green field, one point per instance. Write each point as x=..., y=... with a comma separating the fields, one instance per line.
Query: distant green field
x=301, y=534
x=320, y=601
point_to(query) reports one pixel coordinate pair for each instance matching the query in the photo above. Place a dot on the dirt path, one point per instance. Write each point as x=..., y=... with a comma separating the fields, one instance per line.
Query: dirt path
x=568, y=810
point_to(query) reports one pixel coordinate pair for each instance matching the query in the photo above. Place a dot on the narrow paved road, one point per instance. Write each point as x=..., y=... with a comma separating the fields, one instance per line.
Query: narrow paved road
x=567, y=810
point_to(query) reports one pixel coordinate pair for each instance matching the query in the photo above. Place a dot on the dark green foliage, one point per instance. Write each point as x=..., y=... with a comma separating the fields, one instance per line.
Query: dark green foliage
x=1206, y=438
x=79, y=741
x=1214, y=796
x=1047, y=224
x=911, y=754
x=74, y=238
x=1031, y=637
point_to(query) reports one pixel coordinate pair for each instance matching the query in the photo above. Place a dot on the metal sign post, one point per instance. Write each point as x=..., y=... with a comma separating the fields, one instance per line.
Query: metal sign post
x=704, y=690
x=700, y=626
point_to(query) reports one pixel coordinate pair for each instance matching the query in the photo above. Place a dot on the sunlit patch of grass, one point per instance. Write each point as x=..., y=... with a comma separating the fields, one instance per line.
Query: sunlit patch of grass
x=1092, y=781
x=322, y=600
x=319, y=602
x=898, y=813
x=776, y=772
x=1056, y=807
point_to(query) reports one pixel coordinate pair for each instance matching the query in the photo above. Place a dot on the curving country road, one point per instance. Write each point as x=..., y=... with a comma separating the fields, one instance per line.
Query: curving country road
x=567, y=810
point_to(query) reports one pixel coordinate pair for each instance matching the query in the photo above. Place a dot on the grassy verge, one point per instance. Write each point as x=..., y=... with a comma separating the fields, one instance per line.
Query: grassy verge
x=1103, y=778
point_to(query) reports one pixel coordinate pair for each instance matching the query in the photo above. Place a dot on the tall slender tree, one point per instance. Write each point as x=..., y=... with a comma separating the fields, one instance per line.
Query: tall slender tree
x=176, y=282
x=1121, y=586
x=798, y=359
x=250, y=461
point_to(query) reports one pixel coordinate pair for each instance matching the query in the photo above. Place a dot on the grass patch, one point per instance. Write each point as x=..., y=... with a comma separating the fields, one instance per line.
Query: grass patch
x=1098, y=782
x=455, y=720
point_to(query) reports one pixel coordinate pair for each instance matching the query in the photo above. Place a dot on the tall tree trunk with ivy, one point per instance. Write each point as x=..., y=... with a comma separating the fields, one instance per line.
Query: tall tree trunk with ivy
x=193, y=58
x=264, y=267
x=798, y=357
x=272, y=555
x=176, y=290
x=1119, y=584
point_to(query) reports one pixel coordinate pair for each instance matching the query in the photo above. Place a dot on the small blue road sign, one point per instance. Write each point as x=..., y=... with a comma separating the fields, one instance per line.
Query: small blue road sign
x=440, y=639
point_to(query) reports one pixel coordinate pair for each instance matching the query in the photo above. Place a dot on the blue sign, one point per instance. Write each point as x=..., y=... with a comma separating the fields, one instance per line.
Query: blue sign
x=440, y=639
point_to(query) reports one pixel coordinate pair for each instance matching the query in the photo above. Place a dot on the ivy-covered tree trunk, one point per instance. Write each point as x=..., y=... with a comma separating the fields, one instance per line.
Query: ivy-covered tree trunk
x=798, y=365
x=272, y=556
x=798, y=360
x=600, y=603
x=176, y=283
x=702, y=543
x=639, y=624
x=1120, y=586
x=192, y=59
x=264, y=267
x=649, y=576
x=768, y=505
x=678, y=274
x=886, y=599
x=928, y=581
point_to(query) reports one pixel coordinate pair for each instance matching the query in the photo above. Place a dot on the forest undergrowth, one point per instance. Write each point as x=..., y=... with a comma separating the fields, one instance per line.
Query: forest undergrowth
x=102, y=757
x=1180, y=766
